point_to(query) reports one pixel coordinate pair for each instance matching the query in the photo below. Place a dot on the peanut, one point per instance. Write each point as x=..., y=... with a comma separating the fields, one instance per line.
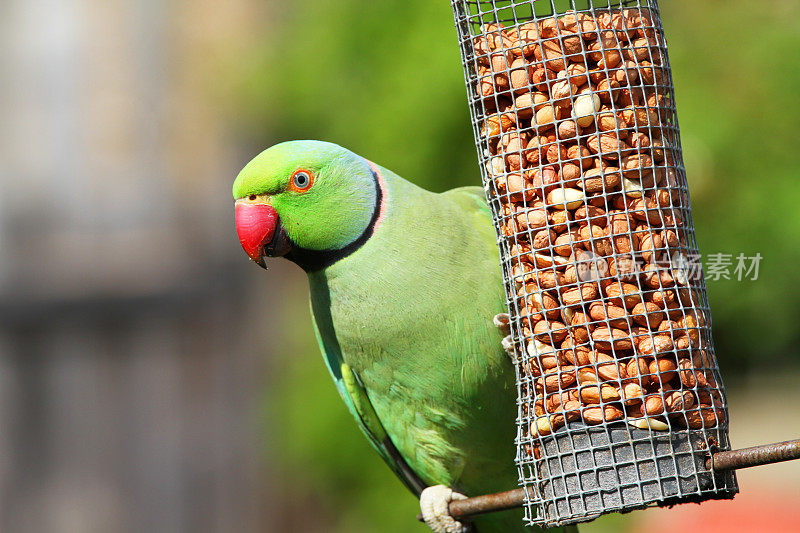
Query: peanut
x=607, y=338
x=586, y=105
x=565, y=198
x=596, y=415
x=590, y=203
x=592, y=394
x=600, y=179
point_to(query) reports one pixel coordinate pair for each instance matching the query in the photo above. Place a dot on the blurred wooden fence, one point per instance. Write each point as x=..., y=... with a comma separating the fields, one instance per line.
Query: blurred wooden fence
x=128, y=415
x=128, y=399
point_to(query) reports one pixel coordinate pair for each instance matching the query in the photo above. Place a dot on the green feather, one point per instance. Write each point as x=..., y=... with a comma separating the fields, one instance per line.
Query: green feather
x=405, y=326
x=334, y=212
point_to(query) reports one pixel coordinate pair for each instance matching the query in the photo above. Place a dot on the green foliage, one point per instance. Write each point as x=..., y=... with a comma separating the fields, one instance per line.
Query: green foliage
x=384, y=79
x=380, y=78
x=739, y=117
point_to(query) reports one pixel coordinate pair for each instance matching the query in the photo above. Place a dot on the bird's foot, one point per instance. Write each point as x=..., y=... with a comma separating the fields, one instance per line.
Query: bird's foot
x=508, y=345
x=501, y=320
x=434, y=502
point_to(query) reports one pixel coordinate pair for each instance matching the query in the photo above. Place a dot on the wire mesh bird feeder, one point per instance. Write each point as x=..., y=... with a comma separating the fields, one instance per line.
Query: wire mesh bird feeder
x=620, y=401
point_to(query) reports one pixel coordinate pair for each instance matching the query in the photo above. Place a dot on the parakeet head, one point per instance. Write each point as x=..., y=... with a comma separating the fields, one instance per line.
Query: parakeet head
x=310, y=201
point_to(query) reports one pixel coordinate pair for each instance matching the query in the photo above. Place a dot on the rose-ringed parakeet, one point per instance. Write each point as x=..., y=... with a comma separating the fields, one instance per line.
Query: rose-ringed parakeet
x=404, y=284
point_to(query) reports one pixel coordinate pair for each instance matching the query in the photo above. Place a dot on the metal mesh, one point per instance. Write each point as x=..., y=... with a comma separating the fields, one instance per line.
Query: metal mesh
x=619, y=394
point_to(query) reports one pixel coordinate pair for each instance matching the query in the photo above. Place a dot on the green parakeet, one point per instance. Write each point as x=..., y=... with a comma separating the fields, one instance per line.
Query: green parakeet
x=404, y=284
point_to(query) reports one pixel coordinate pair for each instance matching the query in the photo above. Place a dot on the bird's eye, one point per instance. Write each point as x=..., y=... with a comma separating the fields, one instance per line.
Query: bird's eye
x=252, y=197
x=302, y=180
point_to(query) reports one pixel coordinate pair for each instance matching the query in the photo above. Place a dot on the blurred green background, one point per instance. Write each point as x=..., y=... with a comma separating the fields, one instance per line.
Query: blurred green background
x=188, y=92
x=384, y=79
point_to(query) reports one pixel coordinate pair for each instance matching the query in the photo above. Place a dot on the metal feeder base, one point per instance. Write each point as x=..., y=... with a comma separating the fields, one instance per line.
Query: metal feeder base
x=590, y=470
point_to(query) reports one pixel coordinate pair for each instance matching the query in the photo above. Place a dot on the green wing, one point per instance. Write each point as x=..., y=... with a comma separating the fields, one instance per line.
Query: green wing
x=471, y=198
x=355, y=398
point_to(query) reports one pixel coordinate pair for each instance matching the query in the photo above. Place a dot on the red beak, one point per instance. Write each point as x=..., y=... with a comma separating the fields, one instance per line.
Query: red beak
x=255, y=224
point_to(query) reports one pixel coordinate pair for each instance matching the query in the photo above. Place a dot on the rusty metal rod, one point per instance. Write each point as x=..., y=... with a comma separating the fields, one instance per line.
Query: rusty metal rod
x=488, y=503
x=730, y=460
x=755, y=456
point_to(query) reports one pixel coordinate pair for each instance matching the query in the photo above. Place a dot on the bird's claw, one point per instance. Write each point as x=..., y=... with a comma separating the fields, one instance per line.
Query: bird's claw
x=502, y=321
x=434, y=502
x=508, y=345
